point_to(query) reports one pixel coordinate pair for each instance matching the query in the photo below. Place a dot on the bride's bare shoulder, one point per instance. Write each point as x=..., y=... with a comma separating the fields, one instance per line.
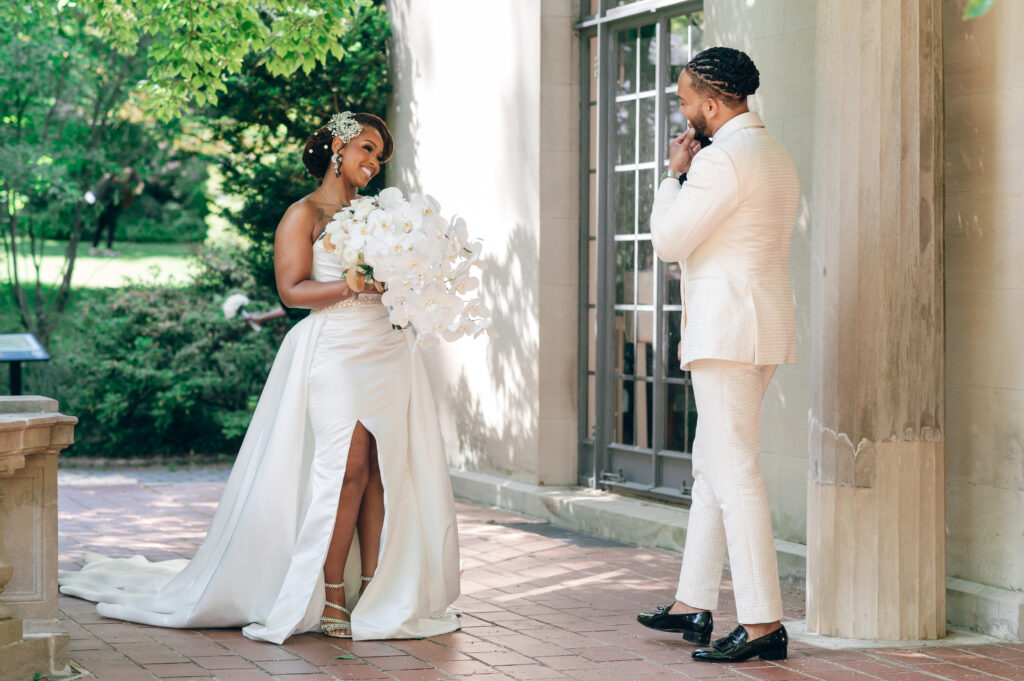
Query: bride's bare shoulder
x=301, y=216
x=303, y=208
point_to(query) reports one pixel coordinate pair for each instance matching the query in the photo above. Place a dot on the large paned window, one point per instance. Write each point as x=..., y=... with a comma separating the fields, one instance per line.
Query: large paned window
x=637, y=414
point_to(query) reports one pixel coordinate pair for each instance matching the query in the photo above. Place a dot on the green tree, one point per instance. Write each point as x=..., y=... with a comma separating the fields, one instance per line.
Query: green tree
x=80, y=80
x=263, y=119
x=192, y=45
x=975, y=8
x=60, y=88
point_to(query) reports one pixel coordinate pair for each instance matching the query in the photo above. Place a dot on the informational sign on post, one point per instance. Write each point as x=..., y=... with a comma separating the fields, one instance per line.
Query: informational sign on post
x=17, y=348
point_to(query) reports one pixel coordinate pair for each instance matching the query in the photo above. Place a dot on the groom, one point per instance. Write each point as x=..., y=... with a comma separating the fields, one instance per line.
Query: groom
x=726, y=212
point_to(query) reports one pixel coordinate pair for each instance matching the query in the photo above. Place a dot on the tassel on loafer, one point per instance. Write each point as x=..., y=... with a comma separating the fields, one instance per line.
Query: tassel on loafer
x=737, y=648
x=695, y=627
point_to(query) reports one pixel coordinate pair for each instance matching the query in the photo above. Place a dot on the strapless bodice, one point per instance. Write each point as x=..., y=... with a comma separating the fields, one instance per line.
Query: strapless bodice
x=326, y=266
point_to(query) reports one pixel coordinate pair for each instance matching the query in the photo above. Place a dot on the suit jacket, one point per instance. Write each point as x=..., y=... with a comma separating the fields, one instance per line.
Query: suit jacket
x=730, y=225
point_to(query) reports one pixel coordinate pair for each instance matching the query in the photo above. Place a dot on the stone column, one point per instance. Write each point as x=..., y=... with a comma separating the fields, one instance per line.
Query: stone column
x=32, y=433
x=875, y=517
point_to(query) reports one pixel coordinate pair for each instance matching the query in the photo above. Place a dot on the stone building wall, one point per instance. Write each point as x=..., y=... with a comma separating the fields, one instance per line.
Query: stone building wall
x=984, y=232
x=484, y=116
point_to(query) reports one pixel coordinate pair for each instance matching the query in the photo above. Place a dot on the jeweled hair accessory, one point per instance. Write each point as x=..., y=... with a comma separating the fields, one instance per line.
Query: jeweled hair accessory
x=345, y=126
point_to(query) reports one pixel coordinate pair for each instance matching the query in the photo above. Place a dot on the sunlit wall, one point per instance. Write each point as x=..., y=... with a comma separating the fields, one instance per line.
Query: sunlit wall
x=482, y=112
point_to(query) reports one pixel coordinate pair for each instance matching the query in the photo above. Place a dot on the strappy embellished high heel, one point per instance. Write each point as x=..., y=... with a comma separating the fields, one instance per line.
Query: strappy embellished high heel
x=365, y=580
x=334, y=626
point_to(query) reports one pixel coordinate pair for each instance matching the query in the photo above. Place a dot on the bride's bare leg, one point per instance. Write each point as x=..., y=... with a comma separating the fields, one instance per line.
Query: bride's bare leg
x=371, y=517
x=357, y=473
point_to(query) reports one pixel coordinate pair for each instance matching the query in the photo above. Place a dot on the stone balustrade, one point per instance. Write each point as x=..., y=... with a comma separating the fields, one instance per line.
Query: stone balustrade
x=32, y=433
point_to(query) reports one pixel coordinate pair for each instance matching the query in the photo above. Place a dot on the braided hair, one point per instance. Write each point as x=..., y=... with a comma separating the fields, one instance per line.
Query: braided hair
x=724, y=73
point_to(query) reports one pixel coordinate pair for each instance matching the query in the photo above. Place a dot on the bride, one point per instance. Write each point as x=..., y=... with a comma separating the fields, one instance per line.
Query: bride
x=338, y=513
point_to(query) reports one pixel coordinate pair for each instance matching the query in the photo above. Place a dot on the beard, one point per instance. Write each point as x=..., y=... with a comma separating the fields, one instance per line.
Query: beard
x=700, y=130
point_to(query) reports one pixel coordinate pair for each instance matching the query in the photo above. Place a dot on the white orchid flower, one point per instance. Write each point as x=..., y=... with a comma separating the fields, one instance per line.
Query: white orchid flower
x=390, y=199
x=350, y=256
x=466, y=284
x=485, y=326
x=458, y=231
x=400, y=316
x=361, y=208
x=476, y=308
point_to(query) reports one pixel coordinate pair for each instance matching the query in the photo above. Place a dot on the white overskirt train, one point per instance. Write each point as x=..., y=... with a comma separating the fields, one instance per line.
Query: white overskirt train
x=261, y=564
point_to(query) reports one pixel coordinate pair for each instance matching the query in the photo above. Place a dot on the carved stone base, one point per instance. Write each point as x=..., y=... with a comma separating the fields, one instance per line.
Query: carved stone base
x=32, y=433
x=11, y=631
x=45, y=655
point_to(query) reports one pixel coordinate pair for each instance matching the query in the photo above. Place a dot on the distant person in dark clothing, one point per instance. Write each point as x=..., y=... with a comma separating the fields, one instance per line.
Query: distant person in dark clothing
x=115, y=192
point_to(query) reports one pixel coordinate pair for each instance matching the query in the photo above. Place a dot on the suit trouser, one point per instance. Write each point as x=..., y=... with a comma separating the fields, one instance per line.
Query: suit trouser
x=730, y=503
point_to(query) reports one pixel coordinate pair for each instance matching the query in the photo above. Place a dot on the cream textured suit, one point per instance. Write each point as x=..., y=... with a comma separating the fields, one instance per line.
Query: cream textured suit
x=730, y=225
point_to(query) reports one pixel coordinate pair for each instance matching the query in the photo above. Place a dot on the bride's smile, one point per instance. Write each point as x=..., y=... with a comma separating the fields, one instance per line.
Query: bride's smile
x=360, y=157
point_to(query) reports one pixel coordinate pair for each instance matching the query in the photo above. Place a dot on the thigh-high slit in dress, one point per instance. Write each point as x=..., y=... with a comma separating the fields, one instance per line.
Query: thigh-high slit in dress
x=260, y=566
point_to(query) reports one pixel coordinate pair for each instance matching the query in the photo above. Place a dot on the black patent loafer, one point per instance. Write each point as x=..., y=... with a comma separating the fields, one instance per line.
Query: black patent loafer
x=695, y=627
x=737, y=648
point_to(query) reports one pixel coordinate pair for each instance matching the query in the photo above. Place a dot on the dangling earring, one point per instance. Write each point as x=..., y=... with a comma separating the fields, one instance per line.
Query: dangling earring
x=336, y=160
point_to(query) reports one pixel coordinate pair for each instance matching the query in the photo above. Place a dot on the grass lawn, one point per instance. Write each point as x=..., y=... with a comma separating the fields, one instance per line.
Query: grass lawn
x=157, y=263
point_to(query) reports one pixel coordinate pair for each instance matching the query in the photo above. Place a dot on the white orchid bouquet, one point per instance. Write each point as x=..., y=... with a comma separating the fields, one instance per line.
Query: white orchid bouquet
x=426, y=260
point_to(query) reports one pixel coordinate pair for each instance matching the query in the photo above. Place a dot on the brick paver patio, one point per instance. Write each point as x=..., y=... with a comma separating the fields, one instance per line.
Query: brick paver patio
x=539, y=603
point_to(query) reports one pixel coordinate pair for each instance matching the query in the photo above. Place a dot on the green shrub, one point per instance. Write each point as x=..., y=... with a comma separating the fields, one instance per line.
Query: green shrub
x=157, y=370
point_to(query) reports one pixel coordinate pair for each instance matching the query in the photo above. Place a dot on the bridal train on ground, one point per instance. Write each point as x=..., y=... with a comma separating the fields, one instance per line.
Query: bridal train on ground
x=261, y=564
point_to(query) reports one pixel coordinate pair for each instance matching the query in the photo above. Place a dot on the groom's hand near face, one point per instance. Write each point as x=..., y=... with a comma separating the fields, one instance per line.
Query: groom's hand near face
x=682, y=149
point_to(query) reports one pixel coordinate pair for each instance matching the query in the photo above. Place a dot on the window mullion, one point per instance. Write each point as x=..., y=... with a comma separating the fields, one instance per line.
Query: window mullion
x=583, y=288
x=603, y=382
x=658, y=392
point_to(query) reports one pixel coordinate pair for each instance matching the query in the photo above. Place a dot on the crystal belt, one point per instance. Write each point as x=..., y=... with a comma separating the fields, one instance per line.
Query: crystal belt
x=353, y=301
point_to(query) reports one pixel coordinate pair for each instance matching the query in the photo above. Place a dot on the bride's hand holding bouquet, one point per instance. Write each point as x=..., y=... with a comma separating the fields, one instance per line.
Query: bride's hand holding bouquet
x=426, y=260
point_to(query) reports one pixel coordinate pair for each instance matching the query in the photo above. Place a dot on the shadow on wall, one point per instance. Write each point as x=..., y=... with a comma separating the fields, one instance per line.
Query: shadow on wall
x=509, y=285
x=486, y=388
x=496, y=416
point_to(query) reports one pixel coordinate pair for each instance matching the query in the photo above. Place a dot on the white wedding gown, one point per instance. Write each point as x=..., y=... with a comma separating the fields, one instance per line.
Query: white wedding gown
x=261, y=564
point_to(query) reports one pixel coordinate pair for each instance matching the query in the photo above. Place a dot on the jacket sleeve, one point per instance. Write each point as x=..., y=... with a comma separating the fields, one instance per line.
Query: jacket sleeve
x=684, y=216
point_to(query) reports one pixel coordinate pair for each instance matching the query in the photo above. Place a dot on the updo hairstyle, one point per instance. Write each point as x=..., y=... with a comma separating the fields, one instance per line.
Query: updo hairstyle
x=724, y=73
x=316, y=155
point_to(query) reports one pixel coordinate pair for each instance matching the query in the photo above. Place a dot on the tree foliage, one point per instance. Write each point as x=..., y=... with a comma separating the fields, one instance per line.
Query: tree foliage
x=60, y=90
x=264, y=118
x=976, y=8
x=193, y=46
x=82, y=80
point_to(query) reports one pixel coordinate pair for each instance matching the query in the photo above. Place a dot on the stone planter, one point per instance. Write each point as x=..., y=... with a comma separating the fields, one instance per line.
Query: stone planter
x=32, y=433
